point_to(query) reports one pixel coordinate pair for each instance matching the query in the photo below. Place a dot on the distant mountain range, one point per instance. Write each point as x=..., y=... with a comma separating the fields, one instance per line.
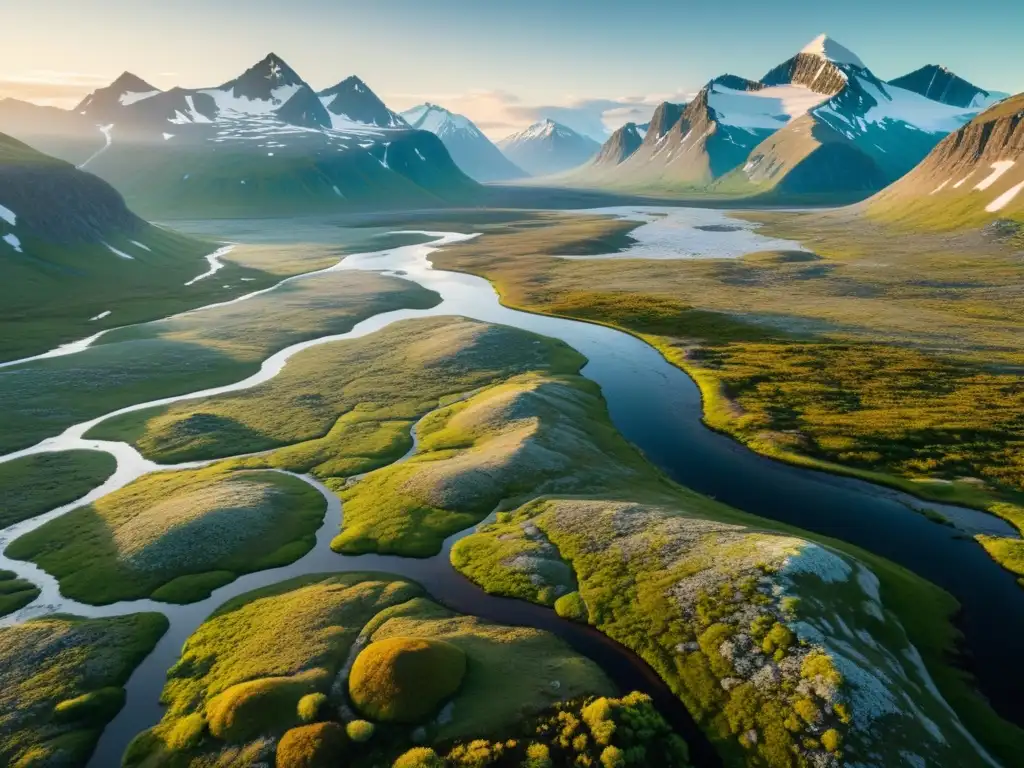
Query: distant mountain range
x=974, y=175
x=818, y=125
x=547, y=147
x=264, y=143
x=471, y=150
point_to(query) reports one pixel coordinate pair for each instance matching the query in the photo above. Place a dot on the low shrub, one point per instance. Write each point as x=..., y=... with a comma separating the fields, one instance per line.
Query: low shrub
x=310, y=706
x=94, y=707
x=419, y=757
x=572, y=607
x=405, y=679
x=321, y=745
x=247, y=710
x=360, y=731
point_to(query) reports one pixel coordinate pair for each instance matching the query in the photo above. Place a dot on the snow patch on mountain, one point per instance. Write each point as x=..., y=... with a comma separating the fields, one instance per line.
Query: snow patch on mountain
x=998, y=169
x=6, y=214
x=1004, y=199
x=227, y=101
x=768, y=108
x=127, y=99
x=13, y=241
x=827, y=48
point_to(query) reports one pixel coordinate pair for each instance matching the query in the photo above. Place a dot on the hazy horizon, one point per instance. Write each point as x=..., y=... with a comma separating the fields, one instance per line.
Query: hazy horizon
x=591, y=65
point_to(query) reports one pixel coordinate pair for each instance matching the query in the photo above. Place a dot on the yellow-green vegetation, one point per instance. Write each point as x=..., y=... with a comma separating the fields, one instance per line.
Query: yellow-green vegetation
x=189, y=352
x=345, y=407
x=602, y=732
x=769, y=639
x=61, y=681
x=360, y=731
x=44, y=481
x=572, y=606
x=175, y=536
x=321, y=745
x=894, y=358
x=15, y=593
x=243, y=672
x=405, y=679
x=246, y=678
x=531, y=435
x=510, y=671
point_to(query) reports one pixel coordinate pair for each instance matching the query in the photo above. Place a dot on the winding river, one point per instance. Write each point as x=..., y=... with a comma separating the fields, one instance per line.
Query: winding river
x=658, y=408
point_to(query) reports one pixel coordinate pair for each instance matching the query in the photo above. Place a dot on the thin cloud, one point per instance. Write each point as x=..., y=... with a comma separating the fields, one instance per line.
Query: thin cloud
x=50, y=87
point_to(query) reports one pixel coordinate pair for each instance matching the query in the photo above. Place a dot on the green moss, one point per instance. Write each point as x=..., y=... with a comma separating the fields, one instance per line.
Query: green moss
x=15, y=593
x=360, y=731
x=189, y=352
x=41, y=482
x=98, y=706
x=310, y=706
x=176, y=535
x=61, y=682
x=419, y=757
x=405, y=679
x=322, y=745
x=573, y=607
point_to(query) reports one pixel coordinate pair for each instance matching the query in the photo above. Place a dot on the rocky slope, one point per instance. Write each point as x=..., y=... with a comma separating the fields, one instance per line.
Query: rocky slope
x=547, y=148
x=264, y=143
x=819, y=124
x=974, y=176
x=352, y=102
x=471, y=150
x=939, y=84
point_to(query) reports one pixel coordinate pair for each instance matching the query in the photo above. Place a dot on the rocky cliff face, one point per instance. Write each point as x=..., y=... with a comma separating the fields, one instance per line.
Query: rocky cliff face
x=352, y=100
x=972, y=176
x=620, y=145
x=939, y=84
x=810, y=71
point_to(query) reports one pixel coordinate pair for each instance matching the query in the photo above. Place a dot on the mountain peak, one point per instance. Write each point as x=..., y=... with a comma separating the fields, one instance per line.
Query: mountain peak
x=827, y=48
x=126, y=82
x=272, y=69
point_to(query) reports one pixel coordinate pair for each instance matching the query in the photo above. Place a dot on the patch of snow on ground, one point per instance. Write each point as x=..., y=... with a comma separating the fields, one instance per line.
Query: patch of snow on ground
x=215, y=263
x=122, y=254
x=6, y=214
x=963, y=180
x=1004, y=199
x=672, y=233
x=143, y=246
x=998, y=169
x=941, y=186
x=168, y=136
x=337, y=191
x=100, y=316
x=815, y=559
x=13, y=241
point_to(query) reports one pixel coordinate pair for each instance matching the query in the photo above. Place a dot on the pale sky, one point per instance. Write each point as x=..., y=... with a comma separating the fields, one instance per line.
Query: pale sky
x=592, y=64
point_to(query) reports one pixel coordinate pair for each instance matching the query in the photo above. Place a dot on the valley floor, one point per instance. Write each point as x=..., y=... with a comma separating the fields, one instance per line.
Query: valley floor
x=342, y=436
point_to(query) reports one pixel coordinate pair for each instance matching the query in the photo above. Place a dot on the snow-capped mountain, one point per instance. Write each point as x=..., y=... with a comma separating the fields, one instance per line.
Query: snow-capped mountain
x=868, y=134
x=547, y=147
x=262, y=143
x=352, y=102
x=819, y=122
x=940, y=84
x=471, y=150
x=974, y=175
